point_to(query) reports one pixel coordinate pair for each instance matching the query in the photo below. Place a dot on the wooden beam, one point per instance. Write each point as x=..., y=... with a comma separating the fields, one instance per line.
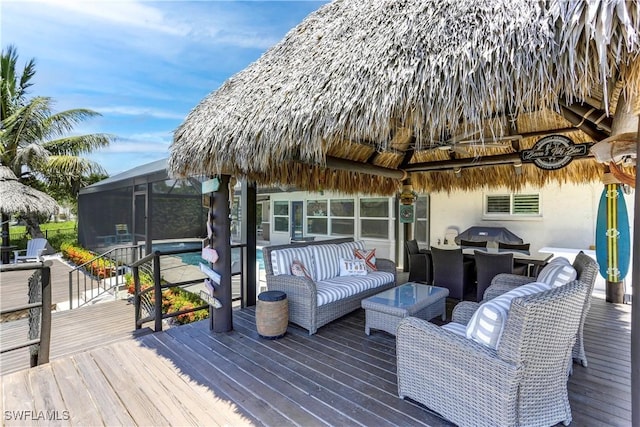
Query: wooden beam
x=594, y=115
x=348, y=165
x=582, y=124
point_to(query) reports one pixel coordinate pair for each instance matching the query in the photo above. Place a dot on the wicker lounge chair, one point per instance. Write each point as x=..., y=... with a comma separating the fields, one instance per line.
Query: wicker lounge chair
x=587, y=269
x=522, y=382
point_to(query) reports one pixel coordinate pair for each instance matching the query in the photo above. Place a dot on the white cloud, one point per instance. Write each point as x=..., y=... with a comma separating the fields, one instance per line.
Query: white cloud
x=131, y=146
x=139, y=111
x=124, y=12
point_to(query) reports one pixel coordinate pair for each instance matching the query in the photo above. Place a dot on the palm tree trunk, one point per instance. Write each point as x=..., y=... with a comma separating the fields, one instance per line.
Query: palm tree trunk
x=33, y=225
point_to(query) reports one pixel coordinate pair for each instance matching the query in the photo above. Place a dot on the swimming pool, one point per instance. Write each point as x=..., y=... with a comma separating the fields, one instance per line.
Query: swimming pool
x=194, y=258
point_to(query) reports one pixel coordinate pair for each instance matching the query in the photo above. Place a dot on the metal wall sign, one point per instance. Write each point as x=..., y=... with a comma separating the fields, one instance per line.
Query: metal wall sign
x=554, y=152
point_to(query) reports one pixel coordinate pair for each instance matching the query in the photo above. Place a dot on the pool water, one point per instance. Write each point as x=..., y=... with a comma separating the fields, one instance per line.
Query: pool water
x=194, y=258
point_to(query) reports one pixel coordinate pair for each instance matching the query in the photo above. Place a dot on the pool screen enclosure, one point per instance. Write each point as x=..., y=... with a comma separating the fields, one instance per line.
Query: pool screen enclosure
x=140, y=205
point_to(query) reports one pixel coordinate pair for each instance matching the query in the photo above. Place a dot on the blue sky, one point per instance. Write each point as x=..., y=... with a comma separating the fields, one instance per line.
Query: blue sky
x=142, y=64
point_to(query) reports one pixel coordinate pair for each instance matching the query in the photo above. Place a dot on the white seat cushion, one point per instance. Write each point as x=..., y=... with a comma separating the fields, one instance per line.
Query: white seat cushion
x=331, y=290
x=281, y=260
x=558, y=272
x=488, y=321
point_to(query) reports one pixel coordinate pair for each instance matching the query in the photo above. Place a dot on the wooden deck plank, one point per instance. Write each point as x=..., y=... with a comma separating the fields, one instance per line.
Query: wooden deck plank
x=71, y=331
x=357, y=395
x=78, y=400
x=173, y=386
x=225, y=411
x=50, y=404
x=256, y=382
x=341, y=409
x=109, y=405
x=338, y=376
x=131, y=390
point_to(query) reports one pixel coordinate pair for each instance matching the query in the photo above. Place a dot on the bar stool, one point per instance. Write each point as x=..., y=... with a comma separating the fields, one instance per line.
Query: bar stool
x=272, y=314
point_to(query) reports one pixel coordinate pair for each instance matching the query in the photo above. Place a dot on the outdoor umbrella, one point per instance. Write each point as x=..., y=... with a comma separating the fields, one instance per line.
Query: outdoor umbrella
x=16, y=197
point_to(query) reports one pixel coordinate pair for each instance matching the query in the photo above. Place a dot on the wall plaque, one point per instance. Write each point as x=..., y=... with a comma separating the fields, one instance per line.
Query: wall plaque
x=554, y=152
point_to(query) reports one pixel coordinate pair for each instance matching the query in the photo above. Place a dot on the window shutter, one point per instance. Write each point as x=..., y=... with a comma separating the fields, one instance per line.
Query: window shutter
x=526, y=204
x=498, y=204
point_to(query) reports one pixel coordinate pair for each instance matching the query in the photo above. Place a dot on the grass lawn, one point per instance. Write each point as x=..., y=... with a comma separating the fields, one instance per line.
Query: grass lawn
x=55, y=232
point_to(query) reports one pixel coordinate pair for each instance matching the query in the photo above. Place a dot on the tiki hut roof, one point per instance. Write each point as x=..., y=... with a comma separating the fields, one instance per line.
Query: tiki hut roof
x=16, y=197
x=364, y=94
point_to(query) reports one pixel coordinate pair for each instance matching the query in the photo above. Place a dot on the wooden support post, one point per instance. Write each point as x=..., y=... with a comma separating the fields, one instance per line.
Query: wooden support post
x=221, y=318
x=45, y=325
x=157, y=293
x=248, y=202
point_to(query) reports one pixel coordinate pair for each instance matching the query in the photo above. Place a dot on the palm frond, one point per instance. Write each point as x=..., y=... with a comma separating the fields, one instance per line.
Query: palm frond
x=60, y=123
x=78, y=144
x=59, y=167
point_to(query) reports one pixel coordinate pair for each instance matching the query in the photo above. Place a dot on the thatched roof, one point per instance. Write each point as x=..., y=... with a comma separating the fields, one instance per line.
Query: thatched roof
x=16, y=197
x=364, y=91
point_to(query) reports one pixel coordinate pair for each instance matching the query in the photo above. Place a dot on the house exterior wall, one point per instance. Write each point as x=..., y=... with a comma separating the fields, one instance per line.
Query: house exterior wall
x=568, y=215
x=567, y=220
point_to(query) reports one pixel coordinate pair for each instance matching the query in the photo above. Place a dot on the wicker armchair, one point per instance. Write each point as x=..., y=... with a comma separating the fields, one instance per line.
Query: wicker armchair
x=587, y=269
x=523, y=382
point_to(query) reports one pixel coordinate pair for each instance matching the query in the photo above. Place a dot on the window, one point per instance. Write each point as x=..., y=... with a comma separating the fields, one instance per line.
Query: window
x=317, y=217
x=281, y=216
x=421, y=229
x=374, y=218
x=516, y=205
x=342, y=212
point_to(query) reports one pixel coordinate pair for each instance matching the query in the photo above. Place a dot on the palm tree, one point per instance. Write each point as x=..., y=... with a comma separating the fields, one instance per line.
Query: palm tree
x=36, y=141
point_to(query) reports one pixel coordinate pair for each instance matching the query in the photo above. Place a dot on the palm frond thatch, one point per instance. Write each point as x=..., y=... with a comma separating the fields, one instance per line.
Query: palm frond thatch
x=364, y=71
x=16, y=197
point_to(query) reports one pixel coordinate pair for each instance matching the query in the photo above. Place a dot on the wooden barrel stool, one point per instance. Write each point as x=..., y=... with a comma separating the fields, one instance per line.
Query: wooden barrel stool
x=272, y=314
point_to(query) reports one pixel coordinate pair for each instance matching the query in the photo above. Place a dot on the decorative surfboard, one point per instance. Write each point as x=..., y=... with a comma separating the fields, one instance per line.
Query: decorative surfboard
x=613, y=242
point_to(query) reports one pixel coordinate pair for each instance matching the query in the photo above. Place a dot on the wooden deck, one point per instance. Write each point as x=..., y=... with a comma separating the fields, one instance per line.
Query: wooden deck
x=190, y=376
x=72, y=331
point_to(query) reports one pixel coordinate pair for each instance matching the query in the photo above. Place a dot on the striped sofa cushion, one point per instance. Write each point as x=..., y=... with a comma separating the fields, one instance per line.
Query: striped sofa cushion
x=337, y=288
x=487, y=322
x=347, y=249
x=281, y=260
x=558, y=272
x=327, y=261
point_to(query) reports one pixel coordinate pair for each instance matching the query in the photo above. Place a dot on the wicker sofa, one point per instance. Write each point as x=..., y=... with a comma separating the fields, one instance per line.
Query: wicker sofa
x=587, y=272
x=522, y=382
x=324, y=296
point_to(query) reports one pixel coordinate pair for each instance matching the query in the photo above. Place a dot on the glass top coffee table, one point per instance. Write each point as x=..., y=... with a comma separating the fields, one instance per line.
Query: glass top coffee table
x=385, y=310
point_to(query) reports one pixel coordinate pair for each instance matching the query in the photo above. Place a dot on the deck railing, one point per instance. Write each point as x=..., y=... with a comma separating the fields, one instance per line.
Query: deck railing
x=101, y=275
x=145, y=301
x=39, y=307
x=149, y=300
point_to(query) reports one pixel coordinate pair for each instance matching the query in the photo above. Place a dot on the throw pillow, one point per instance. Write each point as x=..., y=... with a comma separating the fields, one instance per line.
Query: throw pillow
x=369, y=258
x=487, y=323
x=353, y=267
x=557, y=272
x=298, y=269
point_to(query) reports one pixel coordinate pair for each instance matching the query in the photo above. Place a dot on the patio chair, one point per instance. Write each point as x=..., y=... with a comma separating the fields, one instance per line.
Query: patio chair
x=452, y=271
x=420, y=269
x=521, y=268
x=587, y=272
x=122, y=233
x=450, y=235
x=35, y=249
x=472, y=244
x=523, y=382
x=488, y=266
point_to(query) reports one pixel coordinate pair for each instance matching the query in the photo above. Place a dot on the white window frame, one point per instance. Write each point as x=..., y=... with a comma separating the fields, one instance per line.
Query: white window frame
x=511, y=216
x=281, y=216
